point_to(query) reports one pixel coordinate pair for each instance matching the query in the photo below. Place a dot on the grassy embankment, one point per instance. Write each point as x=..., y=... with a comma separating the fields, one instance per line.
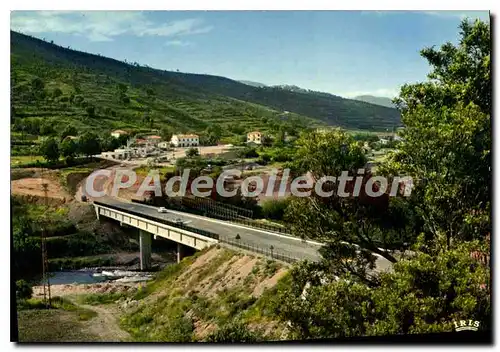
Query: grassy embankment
x=209, y=291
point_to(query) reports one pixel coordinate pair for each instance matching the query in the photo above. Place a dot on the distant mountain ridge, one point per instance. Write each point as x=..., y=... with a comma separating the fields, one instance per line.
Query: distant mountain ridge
x=253, y=84
x=382, y=101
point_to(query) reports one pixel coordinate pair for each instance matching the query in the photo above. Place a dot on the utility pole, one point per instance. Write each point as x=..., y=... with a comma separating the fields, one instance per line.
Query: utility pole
x=45, y=261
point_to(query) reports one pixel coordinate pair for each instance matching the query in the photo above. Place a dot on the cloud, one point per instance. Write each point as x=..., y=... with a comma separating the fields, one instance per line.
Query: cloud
x=102, y=25
x=177, y=43
x=484, y=15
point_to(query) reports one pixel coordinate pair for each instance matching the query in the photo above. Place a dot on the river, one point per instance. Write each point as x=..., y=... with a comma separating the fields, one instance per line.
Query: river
x=75, y=276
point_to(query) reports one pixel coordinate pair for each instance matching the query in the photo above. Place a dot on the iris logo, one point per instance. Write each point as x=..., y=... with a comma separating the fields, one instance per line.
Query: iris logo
x=466, y=325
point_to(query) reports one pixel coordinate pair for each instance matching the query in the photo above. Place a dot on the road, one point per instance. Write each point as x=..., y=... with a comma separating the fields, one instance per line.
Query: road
x=282, y=244
x=286, y=245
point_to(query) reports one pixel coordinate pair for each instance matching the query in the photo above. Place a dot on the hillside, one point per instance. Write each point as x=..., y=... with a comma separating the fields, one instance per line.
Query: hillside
x=214, y=289
x=216, y=293
x=253, y=84
x=382, y=101
x=94, y=92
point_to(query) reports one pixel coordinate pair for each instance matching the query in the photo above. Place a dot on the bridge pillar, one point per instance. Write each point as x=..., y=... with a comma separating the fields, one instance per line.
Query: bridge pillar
x=180, y=252
x=145, y=248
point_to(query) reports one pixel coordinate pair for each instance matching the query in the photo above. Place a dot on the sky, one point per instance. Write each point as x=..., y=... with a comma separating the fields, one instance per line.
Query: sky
x=346, y=53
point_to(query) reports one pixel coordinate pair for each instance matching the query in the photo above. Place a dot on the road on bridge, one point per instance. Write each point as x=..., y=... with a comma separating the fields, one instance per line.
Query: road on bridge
x=282, y=244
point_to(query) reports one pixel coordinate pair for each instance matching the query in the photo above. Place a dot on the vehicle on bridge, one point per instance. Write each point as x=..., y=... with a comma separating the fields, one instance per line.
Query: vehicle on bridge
x=162, y=210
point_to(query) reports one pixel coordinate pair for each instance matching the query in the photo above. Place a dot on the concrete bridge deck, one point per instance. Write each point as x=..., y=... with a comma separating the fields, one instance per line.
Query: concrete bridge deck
x=219, y=230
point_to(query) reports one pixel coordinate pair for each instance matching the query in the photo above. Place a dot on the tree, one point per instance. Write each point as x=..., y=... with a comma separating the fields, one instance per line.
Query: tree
x=446, y=148
x=279, y=138
x=192, y=152
x=89, y=144
x=68, y=149
x=236, y=128
x=166, y=133
x=37, y=85
x=425, y=293
x=25, y=245
x=122, y=88
x=90, y=111
x=109, y=143
x=23, y=290
x=125, y=99
x=450, y=116
x=49, y=149
x=56, y=93
x=328, y=154
x=46, y=129
x=460, y=74
x=150, y=93
x=37, y=88
x=213, y=134
x=247, y=152
x=195, y=164
x=69, y=131
x=274, y=208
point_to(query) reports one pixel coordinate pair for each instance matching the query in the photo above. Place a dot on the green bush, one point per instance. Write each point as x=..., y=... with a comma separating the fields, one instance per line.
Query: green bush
x=31, y=303
x=23, y=290
x=102, y=298
x=233, y=332
x=274, y=209
x=79, y=244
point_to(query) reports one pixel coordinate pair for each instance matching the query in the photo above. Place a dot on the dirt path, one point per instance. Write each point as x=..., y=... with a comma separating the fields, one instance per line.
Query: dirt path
x=106, y=326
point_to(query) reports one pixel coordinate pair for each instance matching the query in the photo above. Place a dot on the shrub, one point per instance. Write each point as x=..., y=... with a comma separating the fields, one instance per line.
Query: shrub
x=233, y=333
x=23, y=290
x=274, y=209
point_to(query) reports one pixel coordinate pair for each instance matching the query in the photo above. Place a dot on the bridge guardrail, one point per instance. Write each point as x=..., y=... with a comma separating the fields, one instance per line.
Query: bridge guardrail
x=266, y=251
x=163, y=221
x=226, y=216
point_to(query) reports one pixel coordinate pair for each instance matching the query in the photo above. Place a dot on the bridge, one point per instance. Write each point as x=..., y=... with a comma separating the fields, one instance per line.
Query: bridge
x=199, y=232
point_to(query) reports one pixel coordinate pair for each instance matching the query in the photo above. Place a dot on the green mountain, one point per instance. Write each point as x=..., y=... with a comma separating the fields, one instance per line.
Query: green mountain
x=382, y=101
x=64, y=86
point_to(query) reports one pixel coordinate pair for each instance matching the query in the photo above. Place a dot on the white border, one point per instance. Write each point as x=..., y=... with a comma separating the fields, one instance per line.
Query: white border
x=191, y=5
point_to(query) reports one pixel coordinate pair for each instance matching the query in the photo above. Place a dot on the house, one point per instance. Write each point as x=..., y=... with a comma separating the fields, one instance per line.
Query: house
x=383, y=141
x=164, y=145
x=153, y=139
x=254, y=137
x=71, y=137
x=185, y=140
x=118, y=133
x=139, y=141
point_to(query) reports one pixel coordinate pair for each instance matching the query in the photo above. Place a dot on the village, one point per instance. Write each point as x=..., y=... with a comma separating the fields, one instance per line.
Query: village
x=153, y=149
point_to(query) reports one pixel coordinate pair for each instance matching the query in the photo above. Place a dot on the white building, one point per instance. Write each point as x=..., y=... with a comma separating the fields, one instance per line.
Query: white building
x=254, y=137
x=185, y=140
x=119, y=154
x=383, y=141
x=153, y=139
x=164, y=145
x=118, y=133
